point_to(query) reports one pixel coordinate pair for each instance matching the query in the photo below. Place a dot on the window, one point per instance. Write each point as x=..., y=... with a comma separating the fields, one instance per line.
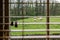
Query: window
x=33, y=19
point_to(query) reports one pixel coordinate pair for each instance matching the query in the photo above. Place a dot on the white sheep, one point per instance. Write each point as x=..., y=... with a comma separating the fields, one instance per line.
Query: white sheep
x=35, y=19
x=40, y=18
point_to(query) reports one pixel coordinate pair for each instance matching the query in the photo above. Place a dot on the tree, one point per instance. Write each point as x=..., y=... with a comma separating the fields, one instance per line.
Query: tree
x=36, y=9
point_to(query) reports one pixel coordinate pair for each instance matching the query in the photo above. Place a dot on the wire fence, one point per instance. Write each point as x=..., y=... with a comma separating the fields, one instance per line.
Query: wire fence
x=27, y=16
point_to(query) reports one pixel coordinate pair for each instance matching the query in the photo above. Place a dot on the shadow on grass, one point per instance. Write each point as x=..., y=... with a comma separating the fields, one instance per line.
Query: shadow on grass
x=56, y=34
x=14, y=19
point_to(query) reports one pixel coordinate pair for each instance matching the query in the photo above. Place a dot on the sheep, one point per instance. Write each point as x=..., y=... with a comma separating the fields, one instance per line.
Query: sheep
x=40, y=18
x=35, y=18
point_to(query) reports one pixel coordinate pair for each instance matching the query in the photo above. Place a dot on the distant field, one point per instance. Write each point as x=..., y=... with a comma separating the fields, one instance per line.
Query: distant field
x=36, y=26
x=52, y=19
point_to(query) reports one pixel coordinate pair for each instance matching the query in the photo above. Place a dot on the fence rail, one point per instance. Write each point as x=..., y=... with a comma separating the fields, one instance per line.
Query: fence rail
x=51, y=36
x=19, y=37
x=26, y=16
x=33, y=30
x=32, y=23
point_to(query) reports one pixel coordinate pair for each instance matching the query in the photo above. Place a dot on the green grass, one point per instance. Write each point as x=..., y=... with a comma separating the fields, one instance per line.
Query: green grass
x=54, y=19
x=31, y=33
x=36, y=26
x=30, y=26
x=43, y=20
x=27, y=33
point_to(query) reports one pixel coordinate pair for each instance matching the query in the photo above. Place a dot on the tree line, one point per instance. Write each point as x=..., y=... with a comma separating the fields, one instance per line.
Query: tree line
x=34, y=9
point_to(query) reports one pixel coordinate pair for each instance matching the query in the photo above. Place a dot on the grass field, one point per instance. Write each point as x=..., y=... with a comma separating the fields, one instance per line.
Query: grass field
x=36, y=26
x=52, y=19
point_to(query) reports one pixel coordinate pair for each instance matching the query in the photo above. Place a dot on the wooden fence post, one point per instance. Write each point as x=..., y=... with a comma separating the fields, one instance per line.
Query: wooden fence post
x=47, y=19
x=1, y=19
x=6, y=12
